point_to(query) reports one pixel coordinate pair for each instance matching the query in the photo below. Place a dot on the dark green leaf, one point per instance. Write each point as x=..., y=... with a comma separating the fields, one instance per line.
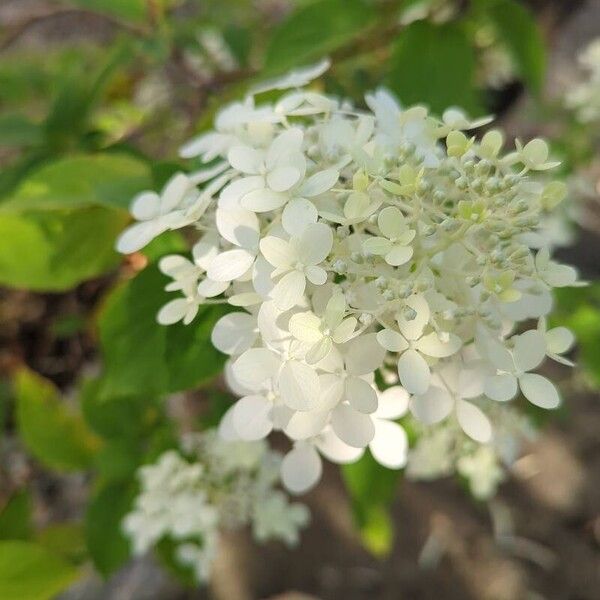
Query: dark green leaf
x=15, y=518
x=17, y=130
x=313, y=31
x=518, y=29
x=434, y=65
x=29, y=571
x=143, y=357
x=107, y=545
x=116, y=417
x=56, y=436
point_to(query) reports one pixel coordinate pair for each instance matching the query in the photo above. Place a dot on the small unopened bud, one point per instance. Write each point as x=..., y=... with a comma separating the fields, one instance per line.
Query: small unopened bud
x=409, y=313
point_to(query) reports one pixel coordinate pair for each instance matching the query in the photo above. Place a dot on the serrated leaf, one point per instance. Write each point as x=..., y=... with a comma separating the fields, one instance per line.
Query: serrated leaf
x=55, y=435
x=107, y=545
x=143, y=357
x=313, y=31
x=518, y=29
x=28, y=571
x=434, y=65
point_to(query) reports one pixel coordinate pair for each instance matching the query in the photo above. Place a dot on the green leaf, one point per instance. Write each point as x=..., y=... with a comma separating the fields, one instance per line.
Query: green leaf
x=30, y=572
x=81, y=181
x=56, y=250
x=143, y=357
x=313, y=31
x=115, y=417
x=15, y=518
x=131, y=10
x=579, y=310
x=56, y=436
x=107, y=545
x=66, y=540
x=434, y=65
x=518, y=29
x=59, y=227
x=17, y=130
x=372, y=489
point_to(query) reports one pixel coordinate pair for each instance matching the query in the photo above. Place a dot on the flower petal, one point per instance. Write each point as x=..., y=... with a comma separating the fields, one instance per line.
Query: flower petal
x=246, y=159
x=431, y=345
x=332, y=448
x=319, y=182
x=301, y=468
x=501, y=387
x=364, y=355
x=299, y=385
x=173, y=311
x=433, y=406
x=315, y=244
x=297, y=215
x=251, y=418
x=398, y=255
x=282, y=179
x=390, y=444
x=352, y=427
x=361, y=396
x=539, y=390
x=414, y=372
x=238, y=226
x=234, y=333
x=230, y=265
x=392, y=403
x=529, y=350
x=289, y=290
x=473, y=421
x=255, y=366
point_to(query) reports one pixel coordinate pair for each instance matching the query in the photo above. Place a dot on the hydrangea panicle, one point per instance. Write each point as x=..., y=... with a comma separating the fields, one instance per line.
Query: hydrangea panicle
x=358, y=242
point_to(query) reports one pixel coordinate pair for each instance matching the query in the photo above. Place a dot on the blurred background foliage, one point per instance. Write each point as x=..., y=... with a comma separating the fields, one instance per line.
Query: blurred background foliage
x=96, y=96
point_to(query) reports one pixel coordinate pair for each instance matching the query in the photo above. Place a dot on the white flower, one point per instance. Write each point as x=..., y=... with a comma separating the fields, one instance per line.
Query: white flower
x=452, y=388
x=513, y=366
x=295, y=78
x=180, y=204
x=412, y=345
x=394, y=246
x=219, y=485
x=552, y=273
x=269, y=173
x=323, y=333
x=389, y=445
x=296, y=261
x=355, y=240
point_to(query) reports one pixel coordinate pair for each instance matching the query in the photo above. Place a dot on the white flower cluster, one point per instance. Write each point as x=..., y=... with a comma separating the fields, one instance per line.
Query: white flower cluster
x=446, y=449
x=222, y=485
x=362, y=246
x=584, y=98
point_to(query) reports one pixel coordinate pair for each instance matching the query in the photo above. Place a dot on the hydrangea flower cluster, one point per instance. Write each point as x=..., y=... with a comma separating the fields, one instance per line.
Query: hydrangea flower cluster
x=214, y=485
x=584, y=98
x=383, y=263
x=445, y=449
